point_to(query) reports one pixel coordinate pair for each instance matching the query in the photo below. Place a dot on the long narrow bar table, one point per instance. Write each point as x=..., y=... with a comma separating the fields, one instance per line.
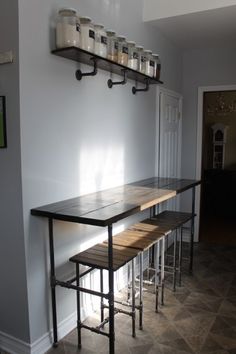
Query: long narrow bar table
x=104, y=208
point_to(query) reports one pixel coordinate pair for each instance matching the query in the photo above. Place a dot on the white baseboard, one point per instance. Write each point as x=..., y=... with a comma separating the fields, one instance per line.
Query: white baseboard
x=45, y=342
x=13, y=345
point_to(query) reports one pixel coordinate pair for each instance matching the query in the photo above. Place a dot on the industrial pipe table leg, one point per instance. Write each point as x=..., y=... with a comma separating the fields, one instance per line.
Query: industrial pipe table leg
x=78, y=306
x=111, y=293
x=157, y=274
x=162, y=270
x=52, y=282
x=141, y=291
x=133, y=300
x=180, y=254
x=152, y=250
x=192, y=231
x=101, y=289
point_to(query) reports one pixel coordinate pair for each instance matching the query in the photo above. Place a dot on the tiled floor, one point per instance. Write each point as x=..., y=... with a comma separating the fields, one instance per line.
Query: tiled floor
x=199, y=318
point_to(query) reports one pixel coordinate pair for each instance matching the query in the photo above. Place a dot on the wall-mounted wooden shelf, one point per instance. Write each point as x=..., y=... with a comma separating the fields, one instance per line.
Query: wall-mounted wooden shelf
x=82, y=56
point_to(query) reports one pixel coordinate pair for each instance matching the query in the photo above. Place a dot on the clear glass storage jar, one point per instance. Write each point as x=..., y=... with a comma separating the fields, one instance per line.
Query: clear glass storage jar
x=100, y=47
x=157, y=66
x=141, y=60
x=148, y=59
x=87, y=34
x=67, y=28
x=139, y=50
x=122, y=51
x=112, y=45
x=132, y=56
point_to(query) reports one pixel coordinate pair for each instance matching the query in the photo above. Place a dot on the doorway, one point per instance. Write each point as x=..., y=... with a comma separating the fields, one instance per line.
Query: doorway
x=169, y=138
x=218, y=167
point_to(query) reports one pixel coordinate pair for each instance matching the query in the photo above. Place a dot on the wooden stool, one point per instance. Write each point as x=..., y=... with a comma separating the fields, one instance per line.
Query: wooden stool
x=97, y=257
x=140, y=240
x=159, y=251
x=169, y=221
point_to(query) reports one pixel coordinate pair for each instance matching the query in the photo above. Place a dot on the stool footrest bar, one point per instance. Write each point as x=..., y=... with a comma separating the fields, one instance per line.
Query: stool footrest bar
x=116, y=310
x=94, y=329
x=64, y=284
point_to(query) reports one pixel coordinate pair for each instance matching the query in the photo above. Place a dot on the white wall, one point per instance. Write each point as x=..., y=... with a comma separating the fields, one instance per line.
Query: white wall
x=77, y=137
x=13, y=293
x=157, y=9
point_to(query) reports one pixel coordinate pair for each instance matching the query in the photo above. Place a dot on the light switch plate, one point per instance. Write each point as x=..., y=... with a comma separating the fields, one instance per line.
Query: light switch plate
x=6, y=57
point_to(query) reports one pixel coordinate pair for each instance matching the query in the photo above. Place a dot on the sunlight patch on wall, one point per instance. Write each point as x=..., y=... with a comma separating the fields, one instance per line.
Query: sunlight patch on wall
x=100, y=168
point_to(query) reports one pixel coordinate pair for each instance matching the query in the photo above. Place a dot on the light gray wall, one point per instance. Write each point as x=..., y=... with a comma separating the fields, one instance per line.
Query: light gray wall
x=13, y=294
x=78, y=137
x=206, y=67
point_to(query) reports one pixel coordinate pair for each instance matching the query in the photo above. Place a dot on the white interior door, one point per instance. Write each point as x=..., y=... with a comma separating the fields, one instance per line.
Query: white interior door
x=169, y=129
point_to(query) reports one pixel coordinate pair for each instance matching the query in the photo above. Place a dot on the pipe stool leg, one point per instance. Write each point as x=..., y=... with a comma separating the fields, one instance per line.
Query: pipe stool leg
x=157, y=273
x=174, y=261
x=133, y=300
x=78, y=306
x=128, y=283
x=141, y=291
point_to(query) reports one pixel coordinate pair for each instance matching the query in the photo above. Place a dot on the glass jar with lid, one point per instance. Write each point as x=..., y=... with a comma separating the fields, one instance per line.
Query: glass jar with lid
x=132, y=56
x=142, y=61
x=67, y=28
x=112, y=45
x=122, y=51
x=148, y=59
x=87, y=34
x=100, y=47
x=157, y=66
x=139, y=50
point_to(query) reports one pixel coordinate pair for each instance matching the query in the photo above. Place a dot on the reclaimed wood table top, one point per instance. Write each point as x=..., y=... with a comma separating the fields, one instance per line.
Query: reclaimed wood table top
x=105, y=207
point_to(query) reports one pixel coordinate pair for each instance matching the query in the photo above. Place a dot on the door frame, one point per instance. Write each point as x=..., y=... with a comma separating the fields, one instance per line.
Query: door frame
x=201, y=91
x=159, y=92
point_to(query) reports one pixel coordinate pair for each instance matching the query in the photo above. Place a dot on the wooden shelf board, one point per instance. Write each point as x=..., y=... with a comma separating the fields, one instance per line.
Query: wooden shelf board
x=82, y=56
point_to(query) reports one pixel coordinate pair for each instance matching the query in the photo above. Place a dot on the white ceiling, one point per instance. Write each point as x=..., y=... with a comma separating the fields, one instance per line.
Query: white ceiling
x=201, y=29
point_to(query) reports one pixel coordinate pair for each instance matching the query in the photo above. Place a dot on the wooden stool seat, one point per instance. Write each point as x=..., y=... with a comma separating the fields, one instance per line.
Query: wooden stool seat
x=168, y=221
x=135, y=239
x=150, y=225
x=97, y=256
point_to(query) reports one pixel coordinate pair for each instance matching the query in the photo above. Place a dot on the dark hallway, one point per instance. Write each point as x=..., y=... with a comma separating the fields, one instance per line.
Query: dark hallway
x=218, y=194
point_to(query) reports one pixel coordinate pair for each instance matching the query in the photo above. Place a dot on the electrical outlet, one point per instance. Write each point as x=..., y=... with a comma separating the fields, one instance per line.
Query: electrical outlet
x=6, y=57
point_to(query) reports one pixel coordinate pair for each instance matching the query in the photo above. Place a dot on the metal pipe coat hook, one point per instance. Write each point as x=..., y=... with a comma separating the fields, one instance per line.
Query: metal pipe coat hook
x=79, y=75
x=134, y=89
x=110, y=83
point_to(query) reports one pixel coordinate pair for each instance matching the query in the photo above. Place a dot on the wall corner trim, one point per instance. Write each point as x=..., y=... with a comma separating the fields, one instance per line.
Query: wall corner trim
x=13, y=345
x=16, y=346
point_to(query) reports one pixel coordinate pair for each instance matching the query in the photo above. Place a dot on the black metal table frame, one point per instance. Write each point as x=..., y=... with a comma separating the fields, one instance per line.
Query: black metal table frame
x=110, y=295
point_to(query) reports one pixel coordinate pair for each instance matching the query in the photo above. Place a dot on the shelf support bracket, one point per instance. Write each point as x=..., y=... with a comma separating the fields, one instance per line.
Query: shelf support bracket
x=79, y=75
x=110, y=83
x=134, y=89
